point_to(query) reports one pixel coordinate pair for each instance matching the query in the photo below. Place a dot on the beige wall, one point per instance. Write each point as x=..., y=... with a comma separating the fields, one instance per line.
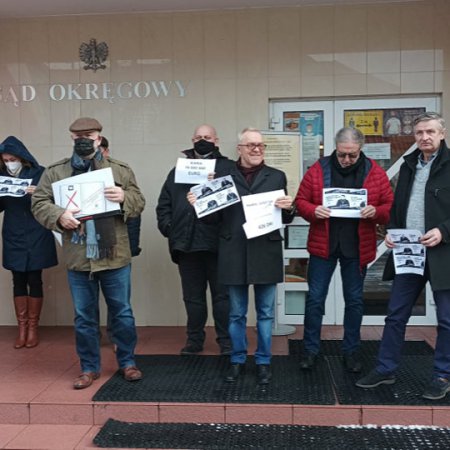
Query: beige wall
x=232, y=63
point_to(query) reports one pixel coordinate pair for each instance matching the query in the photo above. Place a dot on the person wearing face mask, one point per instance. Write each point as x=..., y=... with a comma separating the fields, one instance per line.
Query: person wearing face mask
x=97, y=251
x=27, y=246
x=193, y=247
x=352, y=241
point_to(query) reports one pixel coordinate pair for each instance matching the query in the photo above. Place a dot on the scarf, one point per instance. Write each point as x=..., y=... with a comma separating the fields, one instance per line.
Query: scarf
x=99, y=234
x=249, y=173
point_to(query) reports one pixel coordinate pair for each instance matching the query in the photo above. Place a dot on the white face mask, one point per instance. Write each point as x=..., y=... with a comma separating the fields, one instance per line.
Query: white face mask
x=13, y=167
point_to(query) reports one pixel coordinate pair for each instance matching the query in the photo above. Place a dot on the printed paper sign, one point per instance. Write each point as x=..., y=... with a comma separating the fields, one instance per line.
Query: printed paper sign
x=261, y=214
x=14, y=187
x=409, y=254
x=215, y=195
x=193, y=171
x=86, y=192
x=345, y=202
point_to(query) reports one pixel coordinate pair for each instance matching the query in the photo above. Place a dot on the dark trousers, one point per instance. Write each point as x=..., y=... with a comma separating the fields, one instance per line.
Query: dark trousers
x=405, y=291
x=27, y=283
x=197, y=270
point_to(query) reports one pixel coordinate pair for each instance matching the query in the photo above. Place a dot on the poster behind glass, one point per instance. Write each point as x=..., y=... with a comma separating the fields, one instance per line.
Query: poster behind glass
x=310, y=125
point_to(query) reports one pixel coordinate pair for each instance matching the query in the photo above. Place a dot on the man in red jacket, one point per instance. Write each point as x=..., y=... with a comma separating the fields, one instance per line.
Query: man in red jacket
x=352, y=241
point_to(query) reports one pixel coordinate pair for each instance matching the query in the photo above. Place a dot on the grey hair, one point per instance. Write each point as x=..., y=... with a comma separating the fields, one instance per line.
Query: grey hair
x=246, y=130
x=430, y=115
x=349, y=134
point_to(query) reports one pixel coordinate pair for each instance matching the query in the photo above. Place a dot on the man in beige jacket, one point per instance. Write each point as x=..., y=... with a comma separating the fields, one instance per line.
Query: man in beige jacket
x=96, y=251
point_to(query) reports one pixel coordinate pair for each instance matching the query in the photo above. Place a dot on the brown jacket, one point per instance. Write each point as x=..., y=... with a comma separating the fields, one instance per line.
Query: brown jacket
x=47, y=213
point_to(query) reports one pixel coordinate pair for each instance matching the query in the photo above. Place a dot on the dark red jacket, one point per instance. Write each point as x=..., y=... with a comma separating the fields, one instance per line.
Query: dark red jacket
x=309, y=196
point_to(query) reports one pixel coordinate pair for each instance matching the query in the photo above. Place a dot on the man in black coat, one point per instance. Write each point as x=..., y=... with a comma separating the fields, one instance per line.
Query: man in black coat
x=422, y=202
x=193, y=247
x=257, y=261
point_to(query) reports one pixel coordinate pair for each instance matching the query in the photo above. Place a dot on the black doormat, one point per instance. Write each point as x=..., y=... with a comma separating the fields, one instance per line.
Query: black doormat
x=333, y=347
x=118, y=434
x=173, y=378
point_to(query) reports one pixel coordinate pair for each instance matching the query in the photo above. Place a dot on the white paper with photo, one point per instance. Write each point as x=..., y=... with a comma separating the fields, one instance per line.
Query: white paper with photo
x=344, y=202
x=409, y=254
x=214, y=195
x=261, y=214
x=86, y=192
x=193, y=171
x=14, y=187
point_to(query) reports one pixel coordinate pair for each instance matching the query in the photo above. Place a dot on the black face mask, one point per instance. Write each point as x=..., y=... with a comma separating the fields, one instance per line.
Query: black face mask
x=83, y=147
x=203, y=147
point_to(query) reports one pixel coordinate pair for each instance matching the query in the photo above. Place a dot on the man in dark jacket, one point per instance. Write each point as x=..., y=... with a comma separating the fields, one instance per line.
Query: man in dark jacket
x=351, y=241
x=193, y=246
x=257, y=261
x=422, y=202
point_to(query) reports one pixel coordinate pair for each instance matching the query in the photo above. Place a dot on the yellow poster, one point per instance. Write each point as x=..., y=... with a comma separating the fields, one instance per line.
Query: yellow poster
x=369, y=122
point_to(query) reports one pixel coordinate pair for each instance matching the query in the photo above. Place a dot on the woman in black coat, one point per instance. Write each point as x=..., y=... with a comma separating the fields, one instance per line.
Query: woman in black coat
x=27, y=246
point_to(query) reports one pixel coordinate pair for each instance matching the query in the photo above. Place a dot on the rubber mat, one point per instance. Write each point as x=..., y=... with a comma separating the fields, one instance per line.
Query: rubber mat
x=173, y=378
x=333, y=347
x=240, y=436
x=412, y=377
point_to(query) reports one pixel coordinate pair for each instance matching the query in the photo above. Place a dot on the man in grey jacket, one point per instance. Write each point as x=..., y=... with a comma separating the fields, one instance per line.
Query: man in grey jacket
x=96, y=251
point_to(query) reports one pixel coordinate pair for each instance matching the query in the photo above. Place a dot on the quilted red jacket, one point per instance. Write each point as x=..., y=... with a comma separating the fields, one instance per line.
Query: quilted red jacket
x=309, y=196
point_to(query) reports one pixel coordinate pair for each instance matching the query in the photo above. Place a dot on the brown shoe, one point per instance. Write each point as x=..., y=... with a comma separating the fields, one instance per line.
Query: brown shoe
x=85, y=380
x=131, y=373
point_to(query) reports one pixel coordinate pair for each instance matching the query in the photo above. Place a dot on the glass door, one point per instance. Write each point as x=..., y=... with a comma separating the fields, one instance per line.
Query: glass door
x=387, y=125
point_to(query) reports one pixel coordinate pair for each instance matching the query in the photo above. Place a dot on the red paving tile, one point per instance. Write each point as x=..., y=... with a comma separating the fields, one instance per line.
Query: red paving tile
x=40, y=409
x=49, y=437
x=397, y=415
x=326, y=415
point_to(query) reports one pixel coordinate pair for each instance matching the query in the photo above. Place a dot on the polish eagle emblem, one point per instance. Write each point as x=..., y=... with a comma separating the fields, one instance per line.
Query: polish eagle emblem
x=94, y=54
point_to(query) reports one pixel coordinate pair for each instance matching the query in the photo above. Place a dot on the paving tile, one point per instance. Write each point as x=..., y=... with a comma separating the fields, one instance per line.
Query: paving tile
x=255, y=413
x=129, y=412
x=9, y=432
x=191, y=413
x=61, y=414
x=14, y=413
x=49, y=437
x=326, y=415
x=394, y=415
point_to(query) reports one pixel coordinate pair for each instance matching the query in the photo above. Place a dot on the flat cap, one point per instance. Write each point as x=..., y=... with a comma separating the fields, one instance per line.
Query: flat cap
x=85, y=124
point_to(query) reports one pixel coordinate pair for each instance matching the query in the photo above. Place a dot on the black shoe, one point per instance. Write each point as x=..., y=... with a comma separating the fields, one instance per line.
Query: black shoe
x=308, y=361
x=263, y=373
x=437, y=389
x=191, y=349
x=374, y=379
x=234, y=372
x=225, y=350
x=352, y=363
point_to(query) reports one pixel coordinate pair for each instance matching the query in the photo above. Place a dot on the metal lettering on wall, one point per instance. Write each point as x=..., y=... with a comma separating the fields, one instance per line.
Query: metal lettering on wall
x=112, y=92
x=94, y=54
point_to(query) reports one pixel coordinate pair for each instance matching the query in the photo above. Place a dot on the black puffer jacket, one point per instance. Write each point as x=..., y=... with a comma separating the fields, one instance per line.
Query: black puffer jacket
x=177, y=220
x=437, y=213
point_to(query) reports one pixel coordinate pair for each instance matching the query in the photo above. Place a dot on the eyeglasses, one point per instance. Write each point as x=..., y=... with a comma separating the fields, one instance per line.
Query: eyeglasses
x=343, y=155
x=251, y=146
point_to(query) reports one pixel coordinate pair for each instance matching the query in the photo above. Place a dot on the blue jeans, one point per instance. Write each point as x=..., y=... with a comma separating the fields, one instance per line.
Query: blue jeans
x=320, y=271
x=264, y=304
x=116, y=288
x=405, y=291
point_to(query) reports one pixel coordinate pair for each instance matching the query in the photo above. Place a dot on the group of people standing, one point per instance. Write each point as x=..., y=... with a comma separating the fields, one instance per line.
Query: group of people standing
x=215, y=251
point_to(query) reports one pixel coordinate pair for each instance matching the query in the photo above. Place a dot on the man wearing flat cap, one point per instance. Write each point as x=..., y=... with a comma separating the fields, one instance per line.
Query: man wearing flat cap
x=97, y=251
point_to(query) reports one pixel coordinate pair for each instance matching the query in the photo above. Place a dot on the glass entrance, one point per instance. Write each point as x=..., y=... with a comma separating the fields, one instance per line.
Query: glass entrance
x=387, y=125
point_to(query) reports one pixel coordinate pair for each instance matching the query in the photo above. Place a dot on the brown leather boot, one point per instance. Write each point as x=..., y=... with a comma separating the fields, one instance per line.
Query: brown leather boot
x=34, y=312
x=21, y=307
